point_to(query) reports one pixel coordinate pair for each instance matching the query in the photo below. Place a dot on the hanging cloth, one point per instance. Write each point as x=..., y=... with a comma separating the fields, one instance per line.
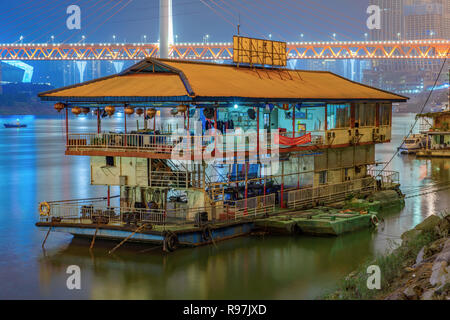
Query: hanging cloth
x=287, y=141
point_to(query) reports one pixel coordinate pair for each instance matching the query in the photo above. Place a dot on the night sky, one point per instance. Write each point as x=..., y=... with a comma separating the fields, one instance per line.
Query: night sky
x=129, y=20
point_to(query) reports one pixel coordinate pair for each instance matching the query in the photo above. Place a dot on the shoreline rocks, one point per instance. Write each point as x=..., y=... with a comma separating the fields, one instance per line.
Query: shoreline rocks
x=429, y=277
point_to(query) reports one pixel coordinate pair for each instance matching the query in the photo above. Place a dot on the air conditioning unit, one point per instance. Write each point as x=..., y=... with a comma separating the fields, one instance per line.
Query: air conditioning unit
x=123, y=180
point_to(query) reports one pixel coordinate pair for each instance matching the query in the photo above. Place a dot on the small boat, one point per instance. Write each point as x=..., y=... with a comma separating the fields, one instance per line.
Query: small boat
x=413, y=143
x=15, y=125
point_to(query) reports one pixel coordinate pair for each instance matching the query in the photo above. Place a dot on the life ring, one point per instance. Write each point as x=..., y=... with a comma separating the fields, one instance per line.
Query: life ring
x=170, y=242
x=42, y=211
x=374, y=220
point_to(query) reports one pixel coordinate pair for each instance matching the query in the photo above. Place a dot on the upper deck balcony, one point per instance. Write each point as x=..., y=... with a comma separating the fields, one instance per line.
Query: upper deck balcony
x=187, y=147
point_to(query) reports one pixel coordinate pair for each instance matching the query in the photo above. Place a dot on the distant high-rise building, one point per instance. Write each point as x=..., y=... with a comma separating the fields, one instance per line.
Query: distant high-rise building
x=392, y=27
x=409, y=20
x=426, y=19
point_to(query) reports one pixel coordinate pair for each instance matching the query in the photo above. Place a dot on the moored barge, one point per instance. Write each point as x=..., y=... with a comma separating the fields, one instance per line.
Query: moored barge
x=221, y=148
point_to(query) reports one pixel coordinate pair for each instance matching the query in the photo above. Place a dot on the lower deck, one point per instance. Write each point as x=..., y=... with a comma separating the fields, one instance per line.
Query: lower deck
x=445, y=152
x=334, y=220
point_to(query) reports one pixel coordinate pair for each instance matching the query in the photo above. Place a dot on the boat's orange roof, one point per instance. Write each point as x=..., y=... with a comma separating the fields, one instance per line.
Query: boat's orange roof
x=173, y=78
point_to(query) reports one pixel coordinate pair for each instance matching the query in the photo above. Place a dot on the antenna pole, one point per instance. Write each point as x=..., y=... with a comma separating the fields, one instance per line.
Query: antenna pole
x=239, y=24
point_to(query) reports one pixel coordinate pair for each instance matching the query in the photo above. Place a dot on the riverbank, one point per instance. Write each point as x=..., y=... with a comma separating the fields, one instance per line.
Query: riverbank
x=416, y=270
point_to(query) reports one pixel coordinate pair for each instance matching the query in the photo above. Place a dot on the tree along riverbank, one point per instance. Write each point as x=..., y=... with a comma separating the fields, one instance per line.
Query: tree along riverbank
x=419, y=269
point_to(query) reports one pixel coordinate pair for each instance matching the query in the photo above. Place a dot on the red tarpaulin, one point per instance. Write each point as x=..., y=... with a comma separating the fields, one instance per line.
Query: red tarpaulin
x=286, y=141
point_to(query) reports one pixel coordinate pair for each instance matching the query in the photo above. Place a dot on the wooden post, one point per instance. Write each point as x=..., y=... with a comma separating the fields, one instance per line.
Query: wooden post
x=125, y=121
x=98, y=121
x=93, y=239
x=125, y=135
x=352, y=114
x=377, y=115
x=215, y=131
x=257, y=134
x=46, y=236
x=145, y=118
x=67, y=126
x=265, y=182
x=109, y=196
x=293, y=121
x=188, y=119
x=246, y=184
x=124, y=240
x=236, y=176
x=282, y=185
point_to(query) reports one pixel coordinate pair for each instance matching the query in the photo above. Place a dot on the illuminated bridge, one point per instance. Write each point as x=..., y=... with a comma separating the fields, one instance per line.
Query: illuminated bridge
x=414, y=49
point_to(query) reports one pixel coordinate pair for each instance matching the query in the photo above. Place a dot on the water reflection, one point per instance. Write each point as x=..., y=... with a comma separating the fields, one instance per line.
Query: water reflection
x=33, y=168
x=257, y=267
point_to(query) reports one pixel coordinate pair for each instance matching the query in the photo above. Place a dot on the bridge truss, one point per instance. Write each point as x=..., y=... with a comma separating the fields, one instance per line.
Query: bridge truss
x=415, y=49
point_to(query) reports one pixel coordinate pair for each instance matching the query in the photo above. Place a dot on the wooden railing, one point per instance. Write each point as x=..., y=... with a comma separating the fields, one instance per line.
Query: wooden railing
x=165, y=144
x=92, y=213
x=329, y=193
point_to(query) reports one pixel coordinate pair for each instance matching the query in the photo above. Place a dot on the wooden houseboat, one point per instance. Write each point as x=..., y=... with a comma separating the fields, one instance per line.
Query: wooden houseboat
x=437, y=133
x=222, y=146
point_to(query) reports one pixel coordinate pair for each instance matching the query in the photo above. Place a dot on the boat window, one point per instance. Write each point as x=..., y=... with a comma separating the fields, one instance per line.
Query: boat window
x=365, y=114
x=110, y=161
x=322, y=177
x=385, y=114
x=338, y=116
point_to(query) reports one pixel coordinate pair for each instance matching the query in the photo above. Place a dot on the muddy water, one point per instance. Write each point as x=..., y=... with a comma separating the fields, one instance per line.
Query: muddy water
x=33, y=169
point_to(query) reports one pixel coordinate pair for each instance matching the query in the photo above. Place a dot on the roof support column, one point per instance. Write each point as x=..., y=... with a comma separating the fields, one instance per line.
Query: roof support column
x=67, y=125
x=352, y=114
x=257, y=134
x=98, y=120
x=293, y=121
x=377, y=114
x=282, y=185
x=188, y=119
x=125, y=126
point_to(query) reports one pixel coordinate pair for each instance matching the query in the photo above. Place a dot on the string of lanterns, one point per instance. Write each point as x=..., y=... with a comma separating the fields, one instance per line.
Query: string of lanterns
x=110, y=110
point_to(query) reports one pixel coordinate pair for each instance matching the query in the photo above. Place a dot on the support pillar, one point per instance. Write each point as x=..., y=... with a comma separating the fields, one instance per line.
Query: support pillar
x=282, y=185
x=246, y=184
x=67, y=126
x=125, y=123
x=257, y=134
x=293, y=121
x=109, y=196
x=188, y=119
x=99, y=128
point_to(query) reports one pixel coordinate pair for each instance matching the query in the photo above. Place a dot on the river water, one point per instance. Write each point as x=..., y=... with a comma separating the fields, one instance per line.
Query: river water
x=33, y=168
